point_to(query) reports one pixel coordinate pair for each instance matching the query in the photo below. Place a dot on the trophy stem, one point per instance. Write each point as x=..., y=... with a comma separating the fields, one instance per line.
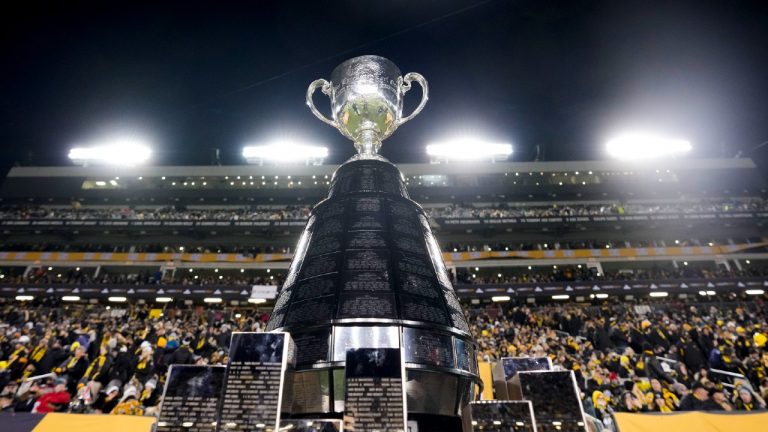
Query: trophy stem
x=367, y=143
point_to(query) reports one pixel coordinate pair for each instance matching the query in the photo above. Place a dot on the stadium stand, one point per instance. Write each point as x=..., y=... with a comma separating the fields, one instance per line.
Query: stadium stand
x=664, y=356
x=653, y=295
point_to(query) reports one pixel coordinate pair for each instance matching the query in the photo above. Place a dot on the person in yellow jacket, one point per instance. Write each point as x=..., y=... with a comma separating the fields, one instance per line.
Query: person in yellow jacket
x=129, y=404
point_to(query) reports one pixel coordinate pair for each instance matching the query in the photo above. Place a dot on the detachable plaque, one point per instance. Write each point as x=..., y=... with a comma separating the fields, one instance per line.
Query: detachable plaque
x=253, y=390
x=345, y=338
x=366, y=240
x=308, y=312
x=499, y=416
x=369, y=281
x=312, y=425
x=431, y=392
x=465, y=356
x=191, y=398
x=428, y=348
x=421, y=309
x=315, y=287
x=375, y=391
x=320, y=265
x=506, y=368
x=311, y=392
x=555, y=398
x=312, y=347
x=367, y=305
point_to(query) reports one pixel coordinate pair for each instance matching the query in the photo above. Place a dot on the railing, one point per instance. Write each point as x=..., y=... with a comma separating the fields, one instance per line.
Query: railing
x=662, y=217
x=578, y=291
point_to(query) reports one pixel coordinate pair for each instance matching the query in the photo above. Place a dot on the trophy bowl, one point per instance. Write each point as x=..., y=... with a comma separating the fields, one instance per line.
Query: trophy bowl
x=367, y=100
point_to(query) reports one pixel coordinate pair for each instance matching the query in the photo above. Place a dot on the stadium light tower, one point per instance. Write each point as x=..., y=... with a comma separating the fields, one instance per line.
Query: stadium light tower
x=468, y=149
x=638, y=146
x=115, y=152
x=285, y=152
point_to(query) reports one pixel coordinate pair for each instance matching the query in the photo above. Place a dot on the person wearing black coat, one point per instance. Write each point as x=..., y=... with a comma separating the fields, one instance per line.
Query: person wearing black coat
x=600, y=337
x=696, y=400
x=53, y=357
x=653, y=367
x=618, y=338
x=122, y=365
x=182, y=355
x=637, y=338
x=692, y=355
x=74, y=368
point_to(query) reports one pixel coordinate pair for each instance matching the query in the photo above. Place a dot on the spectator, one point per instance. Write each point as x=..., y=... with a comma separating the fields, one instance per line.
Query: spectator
x=55, y=400
x=129, y=404
x=697, y=400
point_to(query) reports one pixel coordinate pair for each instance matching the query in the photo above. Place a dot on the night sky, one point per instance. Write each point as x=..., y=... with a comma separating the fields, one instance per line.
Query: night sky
x=563, y=76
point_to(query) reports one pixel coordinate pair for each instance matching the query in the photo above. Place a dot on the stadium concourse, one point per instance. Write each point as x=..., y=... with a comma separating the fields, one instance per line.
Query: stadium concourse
x=654, y=296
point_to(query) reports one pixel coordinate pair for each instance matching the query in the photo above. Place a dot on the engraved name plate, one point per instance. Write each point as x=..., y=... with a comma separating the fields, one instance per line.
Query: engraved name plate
x=375, y=392
x=366, y=221
x=191, y=398
x=555, y=399
x=366, y=240
x=312, y=347
x=315, y=287
x=501, y=416
x=366, y=281
x=420, y=286
x=254, y=386
x=374, y=260
x=414, y=264
x=326, y=244
x=432, y=392
x=421, y=309
x=428, y=347
x=312, y=311
x=465, y=355
x=367, y=204
x=319, y=265
x=365, y=305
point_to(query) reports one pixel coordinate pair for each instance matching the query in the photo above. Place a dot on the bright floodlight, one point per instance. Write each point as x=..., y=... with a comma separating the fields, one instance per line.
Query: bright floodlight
x=636, y=146
x=285, y=152
x=121, y=152
x=469, y=149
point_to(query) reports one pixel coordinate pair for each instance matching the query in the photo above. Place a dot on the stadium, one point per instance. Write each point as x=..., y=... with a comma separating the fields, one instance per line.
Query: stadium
x=539, y=247
x=434, y=281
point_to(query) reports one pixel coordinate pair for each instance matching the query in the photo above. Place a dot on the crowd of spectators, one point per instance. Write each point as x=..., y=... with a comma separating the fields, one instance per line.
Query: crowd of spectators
x=93, y=359
x=77, y=212
x=581, y=273
x=652, y=358
x=80, y=276
x=253, y=250
x=248, y=213
x=508, y=275
x=594, y=244
x=250, y=251
x=669, y=357
x=510, y=210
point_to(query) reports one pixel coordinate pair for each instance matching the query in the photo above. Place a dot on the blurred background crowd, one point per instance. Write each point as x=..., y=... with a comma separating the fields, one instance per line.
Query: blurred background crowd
x=667, y=356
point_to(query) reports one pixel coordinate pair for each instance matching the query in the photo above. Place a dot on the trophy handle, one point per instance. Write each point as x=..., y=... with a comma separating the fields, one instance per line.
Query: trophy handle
x=326, y=89
x=413, y=76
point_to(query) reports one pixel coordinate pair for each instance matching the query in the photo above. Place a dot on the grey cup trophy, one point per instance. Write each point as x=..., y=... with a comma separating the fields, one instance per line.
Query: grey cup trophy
x=368, y=276
x=367, y=100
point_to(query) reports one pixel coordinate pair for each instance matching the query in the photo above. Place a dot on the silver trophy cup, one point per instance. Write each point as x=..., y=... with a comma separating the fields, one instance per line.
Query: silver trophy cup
x=367, y=100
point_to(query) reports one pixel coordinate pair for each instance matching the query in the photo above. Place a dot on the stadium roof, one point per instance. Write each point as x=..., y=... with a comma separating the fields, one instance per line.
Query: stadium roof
x=407, y=169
